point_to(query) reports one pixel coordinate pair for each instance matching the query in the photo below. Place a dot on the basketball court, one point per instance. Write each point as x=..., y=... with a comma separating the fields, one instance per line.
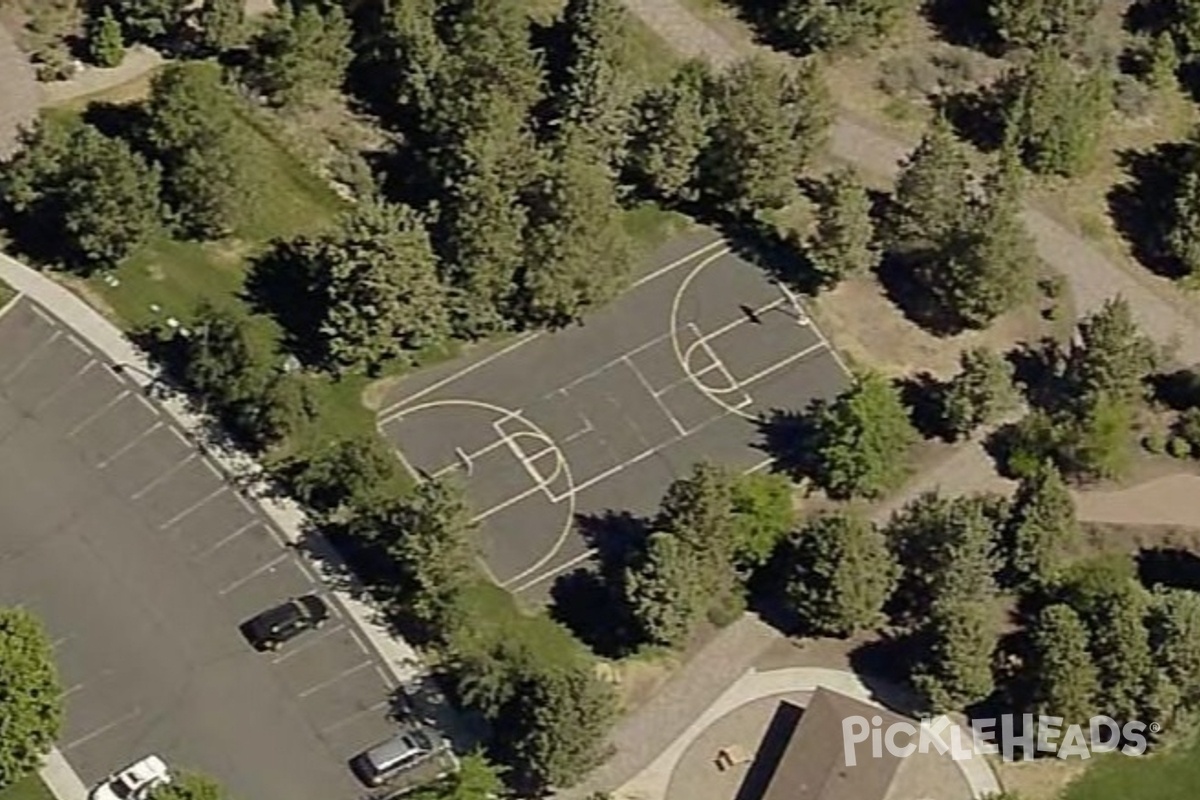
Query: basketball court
x=550, y=428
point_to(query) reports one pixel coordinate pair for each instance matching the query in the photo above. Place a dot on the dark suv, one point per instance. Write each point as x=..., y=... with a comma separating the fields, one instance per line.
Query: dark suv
x=284, y=622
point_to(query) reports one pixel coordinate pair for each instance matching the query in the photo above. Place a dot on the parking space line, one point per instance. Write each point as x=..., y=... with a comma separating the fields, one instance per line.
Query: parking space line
x=65, y=385
x=312, y=640
x=344, y=721
x=98, y=413
x=70, y=690
x=226, y=539
x=267, y=567
x=132, y=443
x=59, y=642
x=325, y=684
x=175, y=520
x=103, y=729
x=167, y=473
x=30, y=356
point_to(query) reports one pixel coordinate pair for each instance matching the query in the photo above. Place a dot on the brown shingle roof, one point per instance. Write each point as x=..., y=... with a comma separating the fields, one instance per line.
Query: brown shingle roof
x=812, y=765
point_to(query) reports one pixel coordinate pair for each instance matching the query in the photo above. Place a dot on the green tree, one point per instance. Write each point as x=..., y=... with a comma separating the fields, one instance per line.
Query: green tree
x=1055, y=113
x=379, y=286
x=844, y=242
x=932, y=195
x=106, y=42
x=767, y=124
x=358, y=474
x=666, y=590
x=840, y=573
x=30, y=695
x=560, y=726
x=1043, y=527
x=862, y=438
x=763, y=513
x=301, y=53
x=481, y=233
x=190, y=786
x=577, y=250
x=599, y=90
x=476, y=779
x=1113, y=604
x=49, y=27
x=699, y=508
x=1110, y=355
x=1037, y=23
x=958, y=668
x=428, y=537
x=671, y=131
x=948, y=547
x=1175, y=641
x=146, y=21
x=1067, y=682
x=196, y=135
x=981, y=393
x=1183, y=228
x=808, y=25
x=222, y=24
x=1097, y=441
x=88, y=196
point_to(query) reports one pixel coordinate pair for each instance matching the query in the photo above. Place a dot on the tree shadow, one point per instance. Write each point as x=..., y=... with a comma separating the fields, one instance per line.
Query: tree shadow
x=127, y=121
x=977, y=115
x=924, y=395
x=965, y=23
x=788, y=437
x=590, y=601
x=764, y=246
x=1173, y=567
x=900, y=276
x=1037, y=371
x=884, y=666
x=1178, y=390
x=283, y=284
x=1142, y=207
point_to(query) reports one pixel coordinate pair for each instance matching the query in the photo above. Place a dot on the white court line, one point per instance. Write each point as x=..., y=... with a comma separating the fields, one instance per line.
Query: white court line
x=175, y=520
x=30, y=356
x=607, y=365
x=555, y=571
x=140, y=493
x=778, y=365
x=346, y=673
x=226, y=539
x=734, y=384
x=311, y=642
x=512, y=501
x=362, y=712
x=267, y=567
x=132, y=443
x=70, y=690
x=103, y=729
x=50, y=398
x=98, y=413
x=387, y=414
x=657, y=399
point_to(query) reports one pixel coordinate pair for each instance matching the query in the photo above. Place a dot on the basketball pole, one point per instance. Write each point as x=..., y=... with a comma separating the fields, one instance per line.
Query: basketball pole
x=801, y=317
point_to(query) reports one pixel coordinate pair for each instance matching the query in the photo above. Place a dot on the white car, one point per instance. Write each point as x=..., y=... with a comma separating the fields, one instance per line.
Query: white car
x=135, y=782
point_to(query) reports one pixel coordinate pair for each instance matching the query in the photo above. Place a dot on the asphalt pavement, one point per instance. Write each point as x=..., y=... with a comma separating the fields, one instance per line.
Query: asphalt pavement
x=142, y=559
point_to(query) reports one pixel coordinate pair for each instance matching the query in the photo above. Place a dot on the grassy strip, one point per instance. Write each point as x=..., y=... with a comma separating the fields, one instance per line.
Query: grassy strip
x=28, y=788
x=1173, y=775
x=6, y=293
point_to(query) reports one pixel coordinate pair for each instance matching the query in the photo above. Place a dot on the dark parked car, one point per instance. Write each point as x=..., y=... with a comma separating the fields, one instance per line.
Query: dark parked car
x=284, y=622
x=414, y=756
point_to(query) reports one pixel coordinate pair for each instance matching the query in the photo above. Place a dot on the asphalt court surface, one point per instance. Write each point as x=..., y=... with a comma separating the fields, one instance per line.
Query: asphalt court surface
x=142, y=561
x=550, y=429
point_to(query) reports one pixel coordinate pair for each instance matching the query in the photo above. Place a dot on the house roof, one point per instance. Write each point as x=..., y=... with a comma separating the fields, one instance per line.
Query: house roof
x=812, y=765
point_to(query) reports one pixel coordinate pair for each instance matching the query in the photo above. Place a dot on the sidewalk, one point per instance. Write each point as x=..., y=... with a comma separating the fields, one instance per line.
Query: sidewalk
x=401, y=660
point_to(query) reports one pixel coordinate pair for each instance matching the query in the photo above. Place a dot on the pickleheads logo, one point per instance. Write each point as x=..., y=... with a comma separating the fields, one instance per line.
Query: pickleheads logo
x=1005, y=736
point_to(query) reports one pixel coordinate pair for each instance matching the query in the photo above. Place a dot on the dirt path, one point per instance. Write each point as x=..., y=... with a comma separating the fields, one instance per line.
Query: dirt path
x=1092, y=277
x=19, y=94
x=139, y=61
x=1163, y=501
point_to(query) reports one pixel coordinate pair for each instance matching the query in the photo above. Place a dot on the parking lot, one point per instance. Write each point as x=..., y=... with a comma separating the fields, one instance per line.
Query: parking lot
x=142, y=560
x=552, y=432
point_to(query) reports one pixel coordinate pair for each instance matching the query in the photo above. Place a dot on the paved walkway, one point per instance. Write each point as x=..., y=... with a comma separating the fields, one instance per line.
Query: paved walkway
x=653, y=781
x=399, y=657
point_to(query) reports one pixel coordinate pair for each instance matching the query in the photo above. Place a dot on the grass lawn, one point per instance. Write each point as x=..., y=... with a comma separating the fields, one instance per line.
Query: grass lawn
x=1173, y=775
x=31, y=788
x=6, y=293
x=496, y=617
